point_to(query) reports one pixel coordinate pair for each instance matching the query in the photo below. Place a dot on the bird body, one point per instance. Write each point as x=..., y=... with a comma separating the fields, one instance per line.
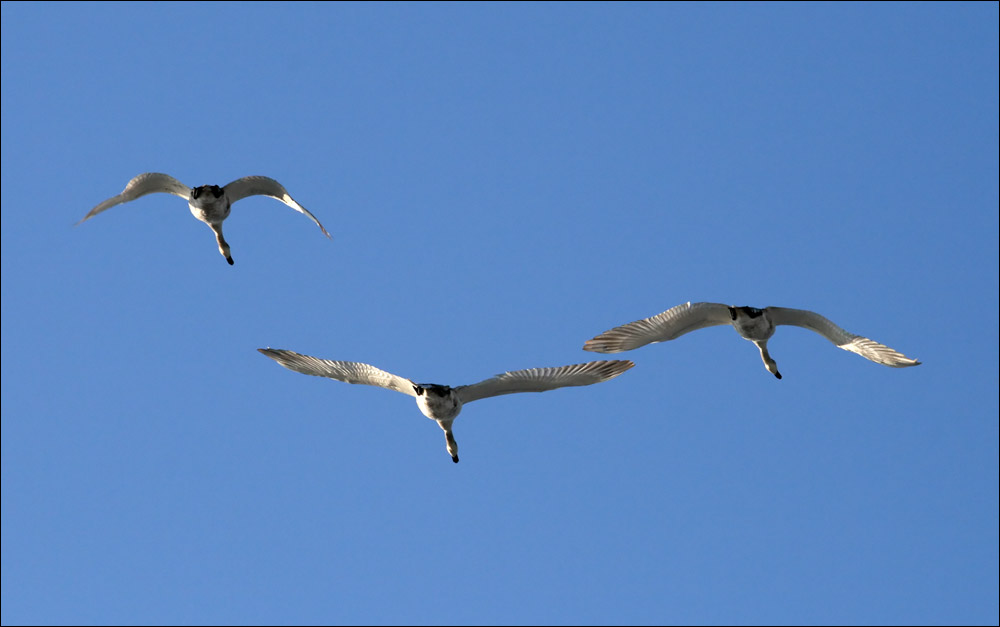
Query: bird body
x=210, y=204
x=438, y=402
x=752, y=323
x=443, y=403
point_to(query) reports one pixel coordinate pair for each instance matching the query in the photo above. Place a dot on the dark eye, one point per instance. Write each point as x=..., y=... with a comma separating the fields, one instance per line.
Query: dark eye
x=195, y=192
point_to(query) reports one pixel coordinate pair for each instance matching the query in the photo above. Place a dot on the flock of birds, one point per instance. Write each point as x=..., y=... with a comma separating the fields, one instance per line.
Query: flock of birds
x=211, y=204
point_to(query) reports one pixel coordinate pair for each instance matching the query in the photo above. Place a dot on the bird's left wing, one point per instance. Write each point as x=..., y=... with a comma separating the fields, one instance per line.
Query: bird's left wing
x=266, y=186
x=542, y=379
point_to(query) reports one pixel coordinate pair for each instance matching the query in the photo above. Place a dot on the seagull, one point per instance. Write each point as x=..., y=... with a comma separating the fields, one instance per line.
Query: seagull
x=756, y=325
x=209, y=203
x=442, y=403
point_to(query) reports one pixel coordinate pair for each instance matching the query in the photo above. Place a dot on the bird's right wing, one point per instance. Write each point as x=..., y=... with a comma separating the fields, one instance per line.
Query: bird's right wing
x=869, y=349
x=542, y=379
x=267, y=186
x=148, y=183
x=346, y=371
x=668, y=325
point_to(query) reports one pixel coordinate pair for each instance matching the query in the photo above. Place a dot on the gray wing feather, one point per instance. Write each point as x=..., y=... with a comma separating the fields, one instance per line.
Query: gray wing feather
x=542, y=379
x=869, y=349
x=266, y=186
x=148, y=183
x=346, y=371
x=668, y=325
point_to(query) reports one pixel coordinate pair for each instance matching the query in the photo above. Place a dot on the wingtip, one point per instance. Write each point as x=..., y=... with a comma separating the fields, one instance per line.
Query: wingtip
x=84, y=219
x=619, y=366
x=596, y=345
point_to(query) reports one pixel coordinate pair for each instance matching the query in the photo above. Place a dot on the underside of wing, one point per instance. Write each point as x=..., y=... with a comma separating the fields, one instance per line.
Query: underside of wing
x=542, y=379
x=148, y=183
x=869, y=349
x=266, y=186
x=668, y=325
x=346, y=371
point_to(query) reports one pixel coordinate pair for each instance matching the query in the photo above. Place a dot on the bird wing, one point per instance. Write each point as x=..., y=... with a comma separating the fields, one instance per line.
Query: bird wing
x=266, y=186
x=668, y=325
x=542, y=379
x=148, y=183
x=869, y=349
x=346, y=371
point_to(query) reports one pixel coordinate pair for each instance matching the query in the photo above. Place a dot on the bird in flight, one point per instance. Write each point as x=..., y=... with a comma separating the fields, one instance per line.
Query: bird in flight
x=756, y=325
x=209, y=203
x=442, y=403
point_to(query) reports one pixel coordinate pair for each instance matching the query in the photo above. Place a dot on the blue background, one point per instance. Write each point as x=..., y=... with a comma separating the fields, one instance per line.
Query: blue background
x=502, y=182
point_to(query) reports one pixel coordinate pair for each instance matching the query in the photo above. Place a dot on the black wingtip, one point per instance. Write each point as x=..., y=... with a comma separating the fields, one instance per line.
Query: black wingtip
x=455, y=459
x=777, y=374
x=230, y=260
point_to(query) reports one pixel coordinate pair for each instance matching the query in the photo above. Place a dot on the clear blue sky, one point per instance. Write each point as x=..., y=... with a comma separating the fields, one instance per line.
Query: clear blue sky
x=502, y=183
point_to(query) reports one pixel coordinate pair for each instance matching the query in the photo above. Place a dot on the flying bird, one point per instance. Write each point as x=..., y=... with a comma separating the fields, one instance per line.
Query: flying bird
x=209, y=203
x=442, y=403
x=756, y=325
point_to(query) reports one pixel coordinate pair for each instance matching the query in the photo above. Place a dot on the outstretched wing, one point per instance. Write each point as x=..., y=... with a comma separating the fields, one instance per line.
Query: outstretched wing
x=542, y=379
x=148, y=183
x=668, y=325
x=346, y=371
x=266, y=186
x=869, y=349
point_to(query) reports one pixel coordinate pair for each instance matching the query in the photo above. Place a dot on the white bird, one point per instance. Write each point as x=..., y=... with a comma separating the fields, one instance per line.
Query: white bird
x=756, y=325
x=209, y=203
x=442, y=403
